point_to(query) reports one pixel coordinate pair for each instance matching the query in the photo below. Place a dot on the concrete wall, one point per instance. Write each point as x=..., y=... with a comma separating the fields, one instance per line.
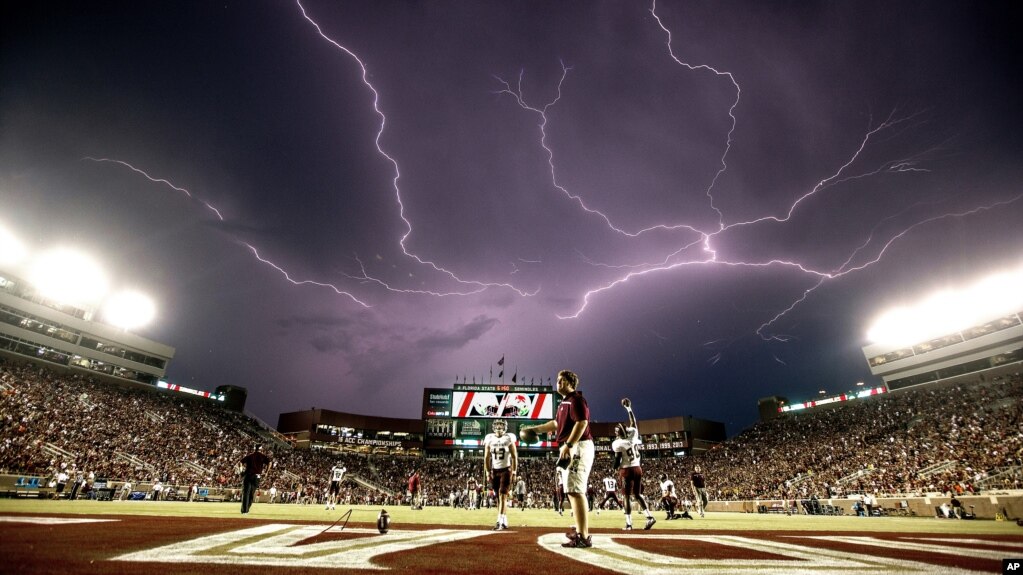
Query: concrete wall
x=1010, y=503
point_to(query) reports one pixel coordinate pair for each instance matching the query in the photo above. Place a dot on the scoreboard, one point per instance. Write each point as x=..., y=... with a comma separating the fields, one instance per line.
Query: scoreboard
x=489, y=401
x=461, y=417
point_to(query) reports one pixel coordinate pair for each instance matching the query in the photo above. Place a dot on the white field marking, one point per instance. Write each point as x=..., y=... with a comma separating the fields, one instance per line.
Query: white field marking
x=51, y=520
x=276, y=545
x=609, y=554
x=1011, y=545
x=952, y=547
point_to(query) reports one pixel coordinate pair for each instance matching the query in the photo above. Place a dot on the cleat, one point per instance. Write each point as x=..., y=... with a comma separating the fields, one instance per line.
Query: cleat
x=580, y=542
x=649, y=523
x=627, y=528
x=503, y=527
x=574, y=540
x=497, y=526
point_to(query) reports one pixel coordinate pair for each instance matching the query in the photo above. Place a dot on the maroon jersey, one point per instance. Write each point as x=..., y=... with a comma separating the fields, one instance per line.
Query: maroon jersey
x=572, y=409
x=254, y=463
x=413, y=483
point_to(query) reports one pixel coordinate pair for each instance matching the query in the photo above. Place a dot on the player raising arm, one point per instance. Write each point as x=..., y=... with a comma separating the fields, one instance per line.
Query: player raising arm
x=627, y=461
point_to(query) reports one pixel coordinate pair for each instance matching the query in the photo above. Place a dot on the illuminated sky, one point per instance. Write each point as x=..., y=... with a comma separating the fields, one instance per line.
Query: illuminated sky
x=695, y=225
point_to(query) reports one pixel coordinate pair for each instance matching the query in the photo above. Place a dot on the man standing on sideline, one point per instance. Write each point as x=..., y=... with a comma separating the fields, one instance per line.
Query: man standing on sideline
x=576, y=452
x=254, y=464
x=500, y=462
x=559, y=490
x=413, y=490
x=627, y=460
x=699, y=489
x=337, y=475
x=520, y=493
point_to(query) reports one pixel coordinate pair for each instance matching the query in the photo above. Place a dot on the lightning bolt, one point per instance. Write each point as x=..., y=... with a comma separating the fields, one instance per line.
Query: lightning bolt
x=709, y=255
x=255, y=252
x=696, y=248
x=215, y=211
x=480, y=286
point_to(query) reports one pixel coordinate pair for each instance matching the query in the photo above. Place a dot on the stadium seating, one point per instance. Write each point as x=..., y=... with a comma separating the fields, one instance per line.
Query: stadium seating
x=962, y=434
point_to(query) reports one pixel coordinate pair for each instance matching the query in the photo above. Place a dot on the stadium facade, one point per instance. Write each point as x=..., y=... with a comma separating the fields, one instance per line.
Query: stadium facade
x=32, y=327
x=990, y=347
x=455, y=420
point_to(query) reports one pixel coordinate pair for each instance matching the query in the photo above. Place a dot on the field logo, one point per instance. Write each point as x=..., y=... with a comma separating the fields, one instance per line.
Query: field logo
x=278, y=545
x=609, y=553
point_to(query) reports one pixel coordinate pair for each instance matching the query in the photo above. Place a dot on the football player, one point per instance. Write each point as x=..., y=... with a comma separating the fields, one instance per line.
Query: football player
x=500, y=461
x=668, y=496
x=337, y=475
x=626, y=449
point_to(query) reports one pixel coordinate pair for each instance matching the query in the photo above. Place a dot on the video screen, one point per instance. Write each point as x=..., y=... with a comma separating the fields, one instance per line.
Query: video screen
x=515, y=404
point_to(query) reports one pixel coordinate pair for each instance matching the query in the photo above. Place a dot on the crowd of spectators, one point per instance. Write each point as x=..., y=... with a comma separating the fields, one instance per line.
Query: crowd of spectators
x=933, y=439
x=946, y=439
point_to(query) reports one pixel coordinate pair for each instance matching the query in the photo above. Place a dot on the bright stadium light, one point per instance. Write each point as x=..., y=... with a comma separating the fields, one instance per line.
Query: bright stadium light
x=997, y=294
x=949, y=311
x=129, y=310
x=68, y=276
x=12, y=251
x=895, y=327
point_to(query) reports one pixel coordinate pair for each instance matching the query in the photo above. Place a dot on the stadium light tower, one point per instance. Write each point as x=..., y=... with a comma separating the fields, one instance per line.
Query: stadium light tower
x=69, y=277
x=129, y=310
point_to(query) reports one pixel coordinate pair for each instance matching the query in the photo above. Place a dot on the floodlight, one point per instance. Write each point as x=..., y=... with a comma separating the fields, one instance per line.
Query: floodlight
x=12, y=251
x=949, y=311
x=894, y=327
x=68, y=276
x=129, y=310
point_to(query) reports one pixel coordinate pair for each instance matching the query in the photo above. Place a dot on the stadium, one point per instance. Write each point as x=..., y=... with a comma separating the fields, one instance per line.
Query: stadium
x=724, y=287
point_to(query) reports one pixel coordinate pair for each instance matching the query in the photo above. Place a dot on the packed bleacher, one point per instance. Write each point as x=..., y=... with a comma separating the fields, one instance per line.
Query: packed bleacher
x=947, y=439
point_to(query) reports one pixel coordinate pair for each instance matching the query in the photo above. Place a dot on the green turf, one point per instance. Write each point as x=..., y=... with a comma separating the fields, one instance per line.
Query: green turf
x=516, y=518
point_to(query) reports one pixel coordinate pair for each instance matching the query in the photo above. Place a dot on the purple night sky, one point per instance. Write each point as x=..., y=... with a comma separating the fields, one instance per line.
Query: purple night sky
x=548, y=181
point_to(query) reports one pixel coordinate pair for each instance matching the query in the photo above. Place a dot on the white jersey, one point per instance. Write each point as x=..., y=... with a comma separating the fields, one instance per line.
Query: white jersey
x=610, y=484
x=628, y=447
x=337, y=473
x=668, y=488
x=500, y=449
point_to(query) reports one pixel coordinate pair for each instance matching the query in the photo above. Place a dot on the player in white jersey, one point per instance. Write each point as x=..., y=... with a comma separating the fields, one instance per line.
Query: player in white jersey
x=337, y=475
x=626, y=449
x=610, y=493
x=500, y=461
x=669, y=498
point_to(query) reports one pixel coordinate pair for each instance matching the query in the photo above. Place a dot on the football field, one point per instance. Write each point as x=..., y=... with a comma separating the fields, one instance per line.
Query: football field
x=214, y=538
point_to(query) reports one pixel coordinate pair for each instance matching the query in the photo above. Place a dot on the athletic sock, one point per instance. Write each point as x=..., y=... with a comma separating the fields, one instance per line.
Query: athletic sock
x=628, y=519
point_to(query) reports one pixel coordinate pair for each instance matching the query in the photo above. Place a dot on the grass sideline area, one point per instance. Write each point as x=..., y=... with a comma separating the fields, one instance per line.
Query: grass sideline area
x=484, y=518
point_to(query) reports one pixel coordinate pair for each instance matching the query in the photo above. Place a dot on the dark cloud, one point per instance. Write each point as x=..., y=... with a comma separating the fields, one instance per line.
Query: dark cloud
x=458, y=337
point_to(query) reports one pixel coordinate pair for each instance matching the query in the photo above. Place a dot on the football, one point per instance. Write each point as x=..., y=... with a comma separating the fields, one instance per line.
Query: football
x=383, y=521
x=528, y=436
